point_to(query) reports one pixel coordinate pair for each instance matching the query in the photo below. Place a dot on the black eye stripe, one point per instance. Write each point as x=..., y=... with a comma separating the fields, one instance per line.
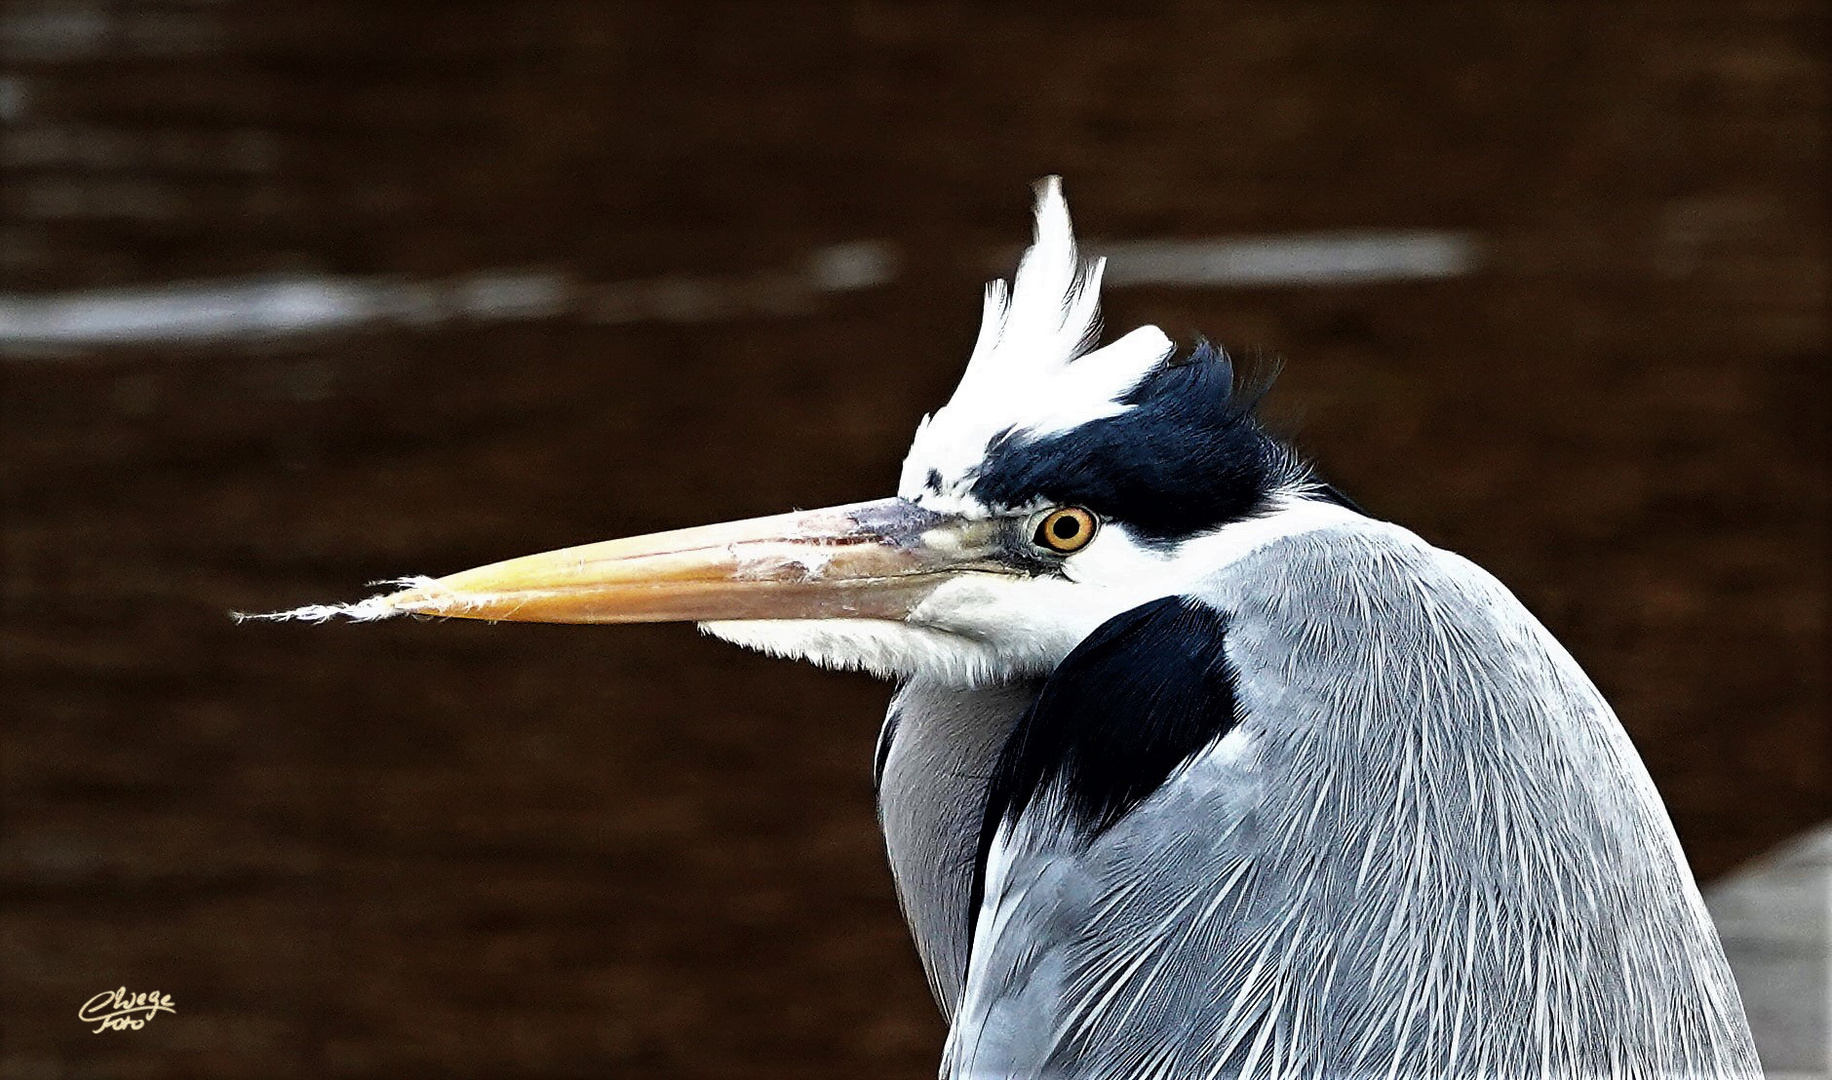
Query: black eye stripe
x=1184, y=457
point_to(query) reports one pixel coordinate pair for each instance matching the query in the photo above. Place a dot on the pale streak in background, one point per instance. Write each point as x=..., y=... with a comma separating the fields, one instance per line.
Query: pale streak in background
x=1775, y=917
x=250, y=309
x=1333, y=258
x=253, y=309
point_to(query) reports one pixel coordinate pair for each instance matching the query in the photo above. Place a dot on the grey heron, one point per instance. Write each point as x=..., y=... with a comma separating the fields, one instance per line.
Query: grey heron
x=1193, y=768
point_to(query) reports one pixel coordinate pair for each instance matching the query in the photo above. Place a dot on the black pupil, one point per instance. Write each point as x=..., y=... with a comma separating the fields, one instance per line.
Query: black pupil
x=1066, y=527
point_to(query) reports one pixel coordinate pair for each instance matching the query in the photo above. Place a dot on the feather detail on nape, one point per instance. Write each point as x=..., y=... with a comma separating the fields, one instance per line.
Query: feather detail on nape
x=1033, y=367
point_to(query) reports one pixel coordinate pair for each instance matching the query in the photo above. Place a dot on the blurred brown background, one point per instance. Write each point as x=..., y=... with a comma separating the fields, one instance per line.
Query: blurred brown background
x=593, y=283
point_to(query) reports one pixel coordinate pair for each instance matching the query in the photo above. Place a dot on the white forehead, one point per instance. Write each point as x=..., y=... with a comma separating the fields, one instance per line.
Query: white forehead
x=1033, y=368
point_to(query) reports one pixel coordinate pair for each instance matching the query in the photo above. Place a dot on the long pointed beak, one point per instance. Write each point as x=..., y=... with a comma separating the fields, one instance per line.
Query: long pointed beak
x=867, y=560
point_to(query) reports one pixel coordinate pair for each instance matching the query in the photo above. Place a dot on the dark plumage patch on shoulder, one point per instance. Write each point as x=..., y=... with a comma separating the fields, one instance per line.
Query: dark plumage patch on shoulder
x=1147, y=691
x=1187, y=456
x=882, y=753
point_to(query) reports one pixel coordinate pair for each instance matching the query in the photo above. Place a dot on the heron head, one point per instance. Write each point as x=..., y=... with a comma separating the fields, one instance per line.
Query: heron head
x=1061, y=485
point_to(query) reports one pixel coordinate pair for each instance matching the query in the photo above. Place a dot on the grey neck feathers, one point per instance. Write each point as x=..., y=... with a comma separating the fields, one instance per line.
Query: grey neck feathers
x=942, y=744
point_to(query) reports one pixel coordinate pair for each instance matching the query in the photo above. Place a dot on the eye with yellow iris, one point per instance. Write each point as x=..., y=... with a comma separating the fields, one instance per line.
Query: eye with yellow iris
x=1066, y=529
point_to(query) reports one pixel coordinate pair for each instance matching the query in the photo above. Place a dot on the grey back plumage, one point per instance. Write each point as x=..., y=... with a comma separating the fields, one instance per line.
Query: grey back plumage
x=1426, y=849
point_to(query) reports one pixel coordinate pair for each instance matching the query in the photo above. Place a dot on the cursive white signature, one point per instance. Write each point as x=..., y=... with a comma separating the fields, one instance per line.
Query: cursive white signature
x=115, y=1010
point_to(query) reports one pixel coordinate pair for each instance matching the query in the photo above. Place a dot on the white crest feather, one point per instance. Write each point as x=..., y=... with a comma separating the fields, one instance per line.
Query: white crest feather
x=1032, y=368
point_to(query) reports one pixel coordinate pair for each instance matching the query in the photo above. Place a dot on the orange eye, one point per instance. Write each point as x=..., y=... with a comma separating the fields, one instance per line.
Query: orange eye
x=1066, y=529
